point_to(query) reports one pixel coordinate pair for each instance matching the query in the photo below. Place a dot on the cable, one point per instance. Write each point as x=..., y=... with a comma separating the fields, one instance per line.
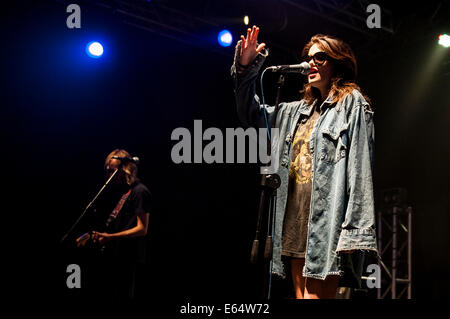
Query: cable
x=264, y=106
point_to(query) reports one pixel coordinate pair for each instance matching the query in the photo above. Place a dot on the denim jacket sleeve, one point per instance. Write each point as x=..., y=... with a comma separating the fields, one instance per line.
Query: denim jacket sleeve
x=250, y=110
x=358, y=228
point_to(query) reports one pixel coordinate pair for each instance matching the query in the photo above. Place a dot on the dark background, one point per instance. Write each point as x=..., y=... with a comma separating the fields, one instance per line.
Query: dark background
x=63, y=112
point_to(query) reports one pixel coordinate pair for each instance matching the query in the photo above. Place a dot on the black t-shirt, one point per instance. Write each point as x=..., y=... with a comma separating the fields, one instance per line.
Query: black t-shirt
x=130, y=249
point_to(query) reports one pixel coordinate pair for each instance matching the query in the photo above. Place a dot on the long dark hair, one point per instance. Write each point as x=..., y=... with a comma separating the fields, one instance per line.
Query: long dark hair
x=344, y=73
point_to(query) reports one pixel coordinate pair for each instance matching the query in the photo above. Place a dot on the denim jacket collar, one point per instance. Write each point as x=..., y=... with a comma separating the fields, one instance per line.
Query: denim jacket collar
x=308, y=109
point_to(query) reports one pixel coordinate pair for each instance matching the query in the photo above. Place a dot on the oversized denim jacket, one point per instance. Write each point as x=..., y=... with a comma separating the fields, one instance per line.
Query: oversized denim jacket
x=342, y=204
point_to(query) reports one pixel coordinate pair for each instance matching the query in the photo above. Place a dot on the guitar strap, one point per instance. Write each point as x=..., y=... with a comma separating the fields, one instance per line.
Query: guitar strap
x=117, y=209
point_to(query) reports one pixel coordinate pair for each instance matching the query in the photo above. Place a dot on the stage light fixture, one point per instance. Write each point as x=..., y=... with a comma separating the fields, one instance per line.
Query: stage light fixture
x=225, y=38
x=94, y=49
x=246, y=20
x=444, y=40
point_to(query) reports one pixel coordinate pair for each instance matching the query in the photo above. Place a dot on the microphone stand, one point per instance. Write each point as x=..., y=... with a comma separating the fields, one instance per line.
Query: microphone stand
x=88, y=207
x=270, y=183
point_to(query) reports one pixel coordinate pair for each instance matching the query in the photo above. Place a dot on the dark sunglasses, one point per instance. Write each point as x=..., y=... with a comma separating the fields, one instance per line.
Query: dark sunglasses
x=319, y=58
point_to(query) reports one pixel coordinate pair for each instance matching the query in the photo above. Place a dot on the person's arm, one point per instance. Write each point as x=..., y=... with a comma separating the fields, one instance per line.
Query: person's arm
x=248, y=59
x=139, y=230
x=358, y=228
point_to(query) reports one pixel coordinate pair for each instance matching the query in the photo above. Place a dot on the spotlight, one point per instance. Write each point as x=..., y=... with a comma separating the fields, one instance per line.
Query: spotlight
x=225, y=38
x=444, y=40
x=94, y=49
x=246, y=20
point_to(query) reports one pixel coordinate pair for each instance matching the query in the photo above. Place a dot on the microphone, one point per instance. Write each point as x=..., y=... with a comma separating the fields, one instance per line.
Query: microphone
x=302, y=68
x=134, y=159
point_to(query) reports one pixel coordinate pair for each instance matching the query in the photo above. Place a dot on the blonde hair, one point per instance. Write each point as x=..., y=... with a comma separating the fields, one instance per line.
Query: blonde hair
x=129, y=167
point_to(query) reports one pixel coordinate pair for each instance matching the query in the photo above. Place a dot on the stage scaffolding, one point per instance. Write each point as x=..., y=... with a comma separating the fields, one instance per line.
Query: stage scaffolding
x=395, y=245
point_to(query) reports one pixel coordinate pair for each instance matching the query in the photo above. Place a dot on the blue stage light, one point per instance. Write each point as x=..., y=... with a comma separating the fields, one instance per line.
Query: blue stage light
x=94, y=49
x=225, y=38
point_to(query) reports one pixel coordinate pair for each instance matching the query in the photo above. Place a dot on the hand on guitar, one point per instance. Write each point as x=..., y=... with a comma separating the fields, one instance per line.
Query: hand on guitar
x=100, y=238
x=96, y=237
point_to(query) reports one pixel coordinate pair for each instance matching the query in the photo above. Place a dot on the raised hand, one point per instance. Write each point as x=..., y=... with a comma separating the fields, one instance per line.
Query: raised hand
x=249, y=46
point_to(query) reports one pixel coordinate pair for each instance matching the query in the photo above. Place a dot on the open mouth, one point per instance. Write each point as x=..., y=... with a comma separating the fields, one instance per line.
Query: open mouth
x=313, y=72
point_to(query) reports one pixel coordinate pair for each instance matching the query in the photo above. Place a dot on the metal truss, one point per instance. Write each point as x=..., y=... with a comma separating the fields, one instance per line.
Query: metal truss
x=395, y=245
x=187, y=27
x=158, y=17
x=189, y=22
x=347, y=13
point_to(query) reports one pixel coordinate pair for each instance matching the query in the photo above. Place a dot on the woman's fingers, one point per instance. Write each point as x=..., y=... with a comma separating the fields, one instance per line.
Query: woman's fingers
x=247, y=39
x=252, y=36
x=255, y=34
x=249, y=45
x=260, y=47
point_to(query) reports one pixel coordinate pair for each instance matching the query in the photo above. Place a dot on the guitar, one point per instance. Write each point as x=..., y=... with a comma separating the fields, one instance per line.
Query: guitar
x=83, y=239
x=92, y=237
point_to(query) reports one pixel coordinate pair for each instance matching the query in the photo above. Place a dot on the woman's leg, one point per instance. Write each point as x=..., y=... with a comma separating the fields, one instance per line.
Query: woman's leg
x=321, y=289
x=297, y=278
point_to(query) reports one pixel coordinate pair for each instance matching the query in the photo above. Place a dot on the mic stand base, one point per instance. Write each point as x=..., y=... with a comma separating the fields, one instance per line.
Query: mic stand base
x=267, y=208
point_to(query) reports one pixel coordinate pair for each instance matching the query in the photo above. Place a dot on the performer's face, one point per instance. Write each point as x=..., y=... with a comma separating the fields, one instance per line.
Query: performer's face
x=321, y=69
x=114, y=164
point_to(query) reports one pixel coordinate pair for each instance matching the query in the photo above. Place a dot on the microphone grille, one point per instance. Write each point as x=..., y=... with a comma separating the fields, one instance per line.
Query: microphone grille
x=305, y=67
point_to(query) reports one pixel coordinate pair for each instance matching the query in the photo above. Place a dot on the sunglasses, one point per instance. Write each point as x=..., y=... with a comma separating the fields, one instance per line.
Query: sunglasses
x=319, y=58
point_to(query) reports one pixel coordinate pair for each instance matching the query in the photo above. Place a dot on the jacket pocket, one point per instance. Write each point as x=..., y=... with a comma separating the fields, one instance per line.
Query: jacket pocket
x=334, y=144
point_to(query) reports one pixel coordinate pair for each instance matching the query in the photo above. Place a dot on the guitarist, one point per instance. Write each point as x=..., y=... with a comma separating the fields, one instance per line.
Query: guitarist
x=122, y=241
